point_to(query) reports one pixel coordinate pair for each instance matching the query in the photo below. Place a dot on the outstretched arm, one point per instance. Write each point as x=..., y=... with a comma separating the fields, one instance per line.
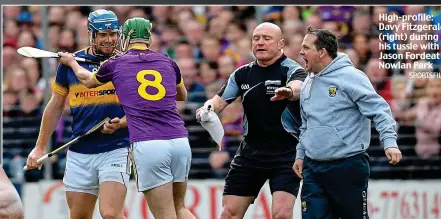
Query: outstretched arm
x=85, y=76
x=292, y=89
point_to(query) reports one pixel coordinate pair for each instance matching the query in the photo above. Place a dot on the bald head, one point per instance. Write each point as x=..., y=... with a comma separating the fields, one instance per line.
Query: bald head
x=267, y=43
x=269, y=29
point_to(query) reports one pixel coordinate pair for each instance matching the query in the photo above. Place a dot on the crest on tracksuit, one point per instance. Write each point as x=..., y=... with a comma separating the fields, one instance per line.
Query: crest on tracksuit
x=332, y=91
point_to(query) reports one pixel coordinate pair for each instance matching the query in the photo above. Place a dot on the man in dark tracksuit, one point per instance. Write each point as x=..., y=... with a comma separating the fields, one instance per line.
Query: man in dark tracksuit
x=337, y=105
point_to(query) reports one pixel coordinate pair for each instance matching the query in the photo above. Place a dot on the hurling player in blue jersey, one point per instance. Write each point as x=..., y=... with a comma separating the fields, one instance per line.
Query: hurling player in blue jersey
x=98, y=165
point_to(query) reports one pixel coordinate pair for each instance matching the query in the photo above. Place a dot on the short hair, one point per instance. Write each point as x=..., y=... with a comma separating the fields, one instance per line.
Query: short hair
x=325, y=39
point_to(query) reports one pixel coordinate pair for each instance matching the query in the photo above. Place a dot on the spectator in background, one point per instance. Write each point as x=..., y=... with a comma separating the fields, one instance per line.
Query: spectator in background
x=29, y=106
x=182, y=50
x=414, y=9
x=244, y=12
x=332, y=26
x=376, y=12
x=374, y=47
x=57, y=15
x=337, y=19
x=138, y=12
x=244, y=51
x=36, y=83
x=156, y=44
x=122, y=11
x=25, y=22
x=213, y=11
x=210, y=48
x=226, y=15
x=10, y=101
x=207, y=72
x=292, y=27
x=9, y=55
x=185, y=16
x=72, y=19
x=353, y=56
x=379, y=79
x=11, y=30
x=217, y=28
x=428, y=121
x=11, y=12
x=169, y=36
x=314, y=20
x=414, y=92
x=54, y=37
x=189, y=73
x=17, y=80
x=26, y=38
x=293, y=46
x=67, y=44
x=36, y=18
x=337, y=13
x=160, y=16
x=291, y=13
x=361, y=46
x=226, y=66
x=82, y=34
x=361, y=23
x=27, y=111
x=194, y=33
x=399, y=41
x=234, y=33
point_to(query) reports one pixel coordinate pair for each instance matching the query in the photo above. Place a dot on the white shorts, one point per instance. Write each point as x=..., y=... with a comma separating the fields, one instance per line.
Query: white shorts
x=85, y=172
x=158, y=162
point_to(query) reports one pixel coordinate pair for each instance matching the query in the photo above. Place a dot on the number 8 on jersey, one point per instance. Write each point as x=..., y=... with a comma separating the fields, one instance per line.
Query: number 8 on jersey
x=156, y=83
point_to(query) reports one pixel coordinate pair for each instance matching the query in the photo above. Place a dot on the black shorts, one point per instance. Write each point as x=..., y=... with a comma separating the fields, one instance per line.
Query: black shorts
x=247, y=181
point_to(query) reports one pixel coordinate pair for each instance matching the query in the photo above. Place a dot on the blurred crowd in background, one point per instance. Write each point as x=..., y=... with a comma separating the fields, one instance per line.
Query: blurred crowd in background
x=209, y=43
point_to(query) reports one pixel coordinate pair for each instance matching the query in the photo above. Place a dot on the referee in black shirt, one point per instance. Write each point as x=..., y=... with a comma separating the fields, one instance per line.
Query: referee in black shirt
x=270, y=89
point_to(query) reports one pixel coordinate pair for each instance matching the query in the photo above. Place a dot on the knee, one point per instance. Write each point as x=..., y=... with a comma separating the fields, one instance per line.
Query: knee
x=112, y=215
x=179, y=206
x=283, y=212
x=228, y=212
x=79, y=214
x=282, y=215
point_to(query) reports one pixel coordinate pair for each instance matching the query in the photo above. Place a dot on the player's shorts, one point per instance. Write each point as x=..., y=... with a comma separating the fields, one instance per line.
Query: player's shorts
x=248, y=181
x=159, y=162
x=85, y=172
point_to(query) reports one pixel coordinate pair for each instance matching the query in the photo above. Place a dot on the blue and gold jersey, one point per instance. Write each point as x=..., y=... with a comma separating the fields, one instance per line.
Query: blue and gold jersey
x=89, y=107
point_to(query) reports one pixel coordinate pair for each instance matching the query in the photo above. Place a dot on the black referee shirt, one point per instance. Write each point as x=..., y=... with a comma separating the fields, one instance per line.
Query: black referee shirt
x=271, y=128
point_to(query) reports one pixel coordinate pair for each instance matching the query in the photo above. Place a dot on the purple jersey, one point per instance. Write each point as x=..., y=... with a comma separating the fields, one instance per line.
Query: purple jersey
x=145, y=82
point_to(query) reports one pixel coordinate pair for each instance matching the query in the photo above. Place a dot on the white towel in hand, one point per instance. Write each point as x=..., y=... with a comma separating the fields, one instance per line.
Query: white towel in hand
x=211, y=122
x=298, y=203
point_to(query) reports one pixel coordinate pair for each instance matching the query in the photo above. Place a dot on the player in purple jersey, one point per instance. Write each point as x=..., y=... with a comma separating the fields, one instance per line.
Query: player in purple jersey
x=148, y=84
x=98, y=165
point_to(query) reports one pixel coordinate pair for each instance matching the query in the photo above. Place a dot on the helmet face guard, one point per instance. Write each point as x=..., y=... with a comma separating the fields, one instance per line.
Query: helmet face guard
x=101, y=21
x=135, y=30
